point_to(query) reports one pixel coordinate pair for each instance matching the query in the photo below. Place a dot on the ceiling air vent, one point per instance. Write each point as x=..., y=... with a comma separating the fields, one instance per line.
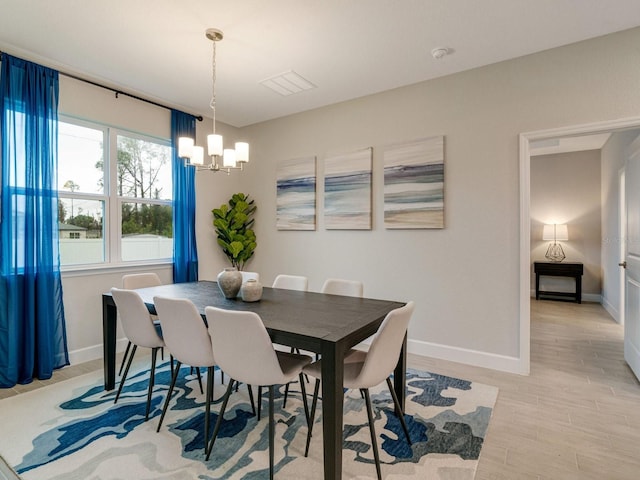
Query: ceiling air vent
x=287, y=83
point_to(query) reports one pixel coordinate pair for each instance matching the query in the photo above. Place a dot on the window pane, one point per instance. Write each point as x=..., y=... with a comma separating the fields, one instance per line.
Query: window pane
x=144, y=169
x=81, y=231
x=147, y=231
x=80, y=159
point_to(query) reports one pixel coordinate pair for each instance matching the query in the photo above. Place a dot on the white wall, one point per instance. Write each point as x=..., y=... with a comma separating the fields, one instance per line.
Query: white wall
x=565, y=189
x=464, y=278
x=613, y=160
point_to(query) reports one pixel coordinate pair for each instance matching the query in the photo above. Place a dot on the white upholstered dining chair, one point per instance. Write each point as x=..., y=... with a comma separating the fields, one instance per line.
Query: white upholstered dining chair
x=339, y=286
x=139, y=328
x=363, y=370
x=131, y=282
x=187, y=338
x=243, y=349
x=291, y=282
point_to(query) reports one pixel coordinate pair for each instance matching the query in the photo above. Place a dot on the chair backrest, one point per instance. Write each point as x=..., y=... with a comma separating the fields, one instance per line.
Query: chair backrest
x=291, y=282
x=243, y=348
x=140, y=280
x=384, y=351
x=250, y=276
x=338, y=286
x=184, y=331
x=135, y=318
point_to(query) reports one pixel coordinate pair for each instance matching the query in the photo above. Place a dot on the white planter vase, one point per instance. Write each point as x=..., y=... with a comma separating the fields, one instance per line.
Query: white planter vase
x=229, y=282
x=251, y=291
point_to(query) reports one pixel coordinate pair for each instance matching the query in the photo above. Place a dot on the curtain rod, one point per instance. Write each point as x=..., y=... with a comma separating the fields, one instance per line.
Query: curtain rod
x=116, y=91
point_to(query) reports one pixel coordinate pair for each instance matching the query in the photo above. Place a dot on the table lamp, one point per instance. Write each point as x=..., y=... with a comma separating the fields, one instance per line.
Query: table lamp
x=555, y=232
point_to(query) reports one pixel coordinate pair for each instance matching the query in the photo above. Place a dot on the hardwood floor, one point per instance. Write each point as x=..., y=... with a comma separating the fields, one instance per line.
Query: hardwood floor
x=577, y=416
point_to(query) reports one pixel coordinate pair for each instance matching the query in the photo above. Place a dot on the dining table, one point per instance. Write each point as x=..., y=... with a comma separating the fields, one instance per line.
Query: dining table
x=328, y=325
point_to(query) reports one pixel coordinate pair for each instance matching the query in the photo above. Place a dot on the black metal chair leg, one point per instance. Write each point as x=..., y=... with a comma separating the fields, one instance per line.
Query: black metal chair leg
x=174, y=377
x=374, y=443
x=253, y=403
x=398, y=409
x=124, y=358
x=199, y=379
x=219, y=421
x=152, y=378
x=272, y=431
x=207, y=407
x=259, y=401
x=304, y=399
x=312, y=418
x=286, y=394
x=126, y=372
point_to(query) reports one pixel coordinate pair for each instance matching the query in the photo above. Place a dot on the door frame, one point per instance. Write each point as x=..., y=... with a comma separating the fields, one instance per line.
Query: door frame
x=525, y=138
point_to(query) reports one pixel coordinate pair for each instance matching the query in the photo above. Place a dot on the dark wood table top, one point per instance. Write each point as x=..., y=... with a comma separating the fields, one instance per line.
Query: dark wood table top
x=303, y=319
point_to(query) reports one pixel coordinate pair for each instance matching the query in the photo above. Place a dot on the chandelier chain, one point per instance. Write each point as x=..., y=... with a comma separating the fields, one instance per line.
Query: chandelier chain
x=212, y=104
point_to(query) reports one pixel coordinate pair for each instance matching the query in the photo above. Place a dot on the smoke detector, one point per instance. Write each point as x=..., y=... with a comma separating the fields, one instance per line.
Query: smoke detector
x=440, y=52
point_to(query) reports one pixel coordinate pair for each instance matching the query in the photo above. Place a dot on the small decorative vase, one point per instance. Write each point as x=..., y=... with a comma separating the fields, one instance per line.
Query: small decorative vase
x=251, y=290
x=230, y=281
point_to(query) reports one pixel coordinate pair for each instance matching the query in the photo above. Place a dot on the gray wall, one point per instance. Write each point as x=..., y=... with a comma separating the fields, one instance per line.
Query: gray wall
x=565, y=188
x=464, y=278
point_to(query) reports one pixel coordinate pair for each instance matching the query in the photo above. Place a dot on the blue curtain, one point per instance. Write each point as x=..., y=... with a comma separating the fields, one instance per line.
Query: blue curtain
x=32, y=328
x=185, y=253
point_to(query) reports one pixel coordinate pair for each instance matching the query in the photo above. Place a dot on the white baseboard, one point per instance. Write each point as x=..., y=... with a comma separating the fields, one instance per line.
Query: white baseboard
x=613, y=311
x=93, y=352
x=476, y=358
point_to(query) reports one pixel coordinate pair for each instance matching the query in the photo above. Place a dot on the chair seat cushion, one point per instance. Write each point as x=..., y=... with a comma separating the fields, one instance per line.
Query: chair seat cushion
x=292, y=364
x=353, y=363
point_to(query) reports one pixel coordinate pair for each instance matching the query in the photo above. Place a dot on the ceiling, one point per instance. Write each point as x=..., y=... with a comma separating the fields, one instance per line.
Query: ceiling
x=157, y=49
x=568, y=144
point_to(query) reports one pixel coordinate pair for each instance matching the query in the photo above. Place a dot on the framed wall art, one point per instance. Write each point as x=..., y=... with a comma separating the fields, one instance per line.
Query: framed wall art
x=296, y=194
x=414, y=184
x=347, y=191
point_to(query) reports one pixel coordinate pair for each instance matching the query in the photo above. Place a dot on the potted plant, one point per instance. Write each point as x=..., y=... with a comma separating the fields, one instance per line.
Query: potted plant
x=233, y=222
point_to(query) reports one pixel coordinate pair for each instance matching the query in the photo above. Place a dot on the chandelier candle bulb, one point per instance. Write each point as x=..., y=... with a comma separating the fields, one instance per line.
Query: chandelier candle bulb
x=242, y=152
x=214, y=144
x=197, y=156
x=229, y=158
x=185, y=147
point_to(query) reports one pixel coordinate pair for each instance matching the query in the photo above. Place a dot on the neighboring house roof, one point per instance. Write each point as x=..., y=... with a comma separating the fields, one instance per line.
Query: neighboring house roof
x=69, y=228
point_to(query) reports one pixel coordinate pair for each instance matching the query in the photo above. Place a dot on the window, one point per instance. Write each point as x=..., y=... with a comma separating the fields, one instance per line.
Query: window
x=115, y=195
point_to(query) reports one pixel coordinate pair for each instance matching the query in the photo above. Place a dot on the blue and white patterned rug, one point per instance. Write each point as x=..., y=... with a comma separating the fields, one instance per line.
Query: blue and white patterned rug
x=72, y=430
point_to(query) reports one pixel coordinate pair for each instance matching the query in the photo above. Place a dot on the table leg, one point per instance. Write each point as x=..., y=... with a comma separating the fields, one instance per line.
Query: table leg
x=537, y=286
x=400, y=375
x=332, y=410
x=109, y=325
x=579, y=288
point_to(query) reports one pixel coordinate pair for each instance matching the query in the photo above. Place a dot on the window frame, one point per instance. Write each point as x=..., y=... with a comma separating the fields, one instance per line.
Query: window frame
x=112, y=215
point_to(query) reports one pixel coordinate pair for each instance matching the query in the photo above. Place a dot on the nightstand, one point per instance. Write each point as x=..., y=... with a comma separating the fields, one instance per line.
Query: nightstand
x=559, y=269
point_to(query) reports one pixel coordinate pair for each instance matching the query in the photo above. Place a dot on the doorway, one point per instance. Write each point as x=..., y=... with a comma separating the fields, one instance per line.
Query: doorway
x=525, y=221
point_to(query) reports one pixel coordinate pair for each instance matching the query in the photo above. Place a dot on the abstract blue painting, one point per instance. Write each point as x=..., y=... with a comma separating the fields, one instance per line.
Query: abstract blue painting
x=414, y=184
x=347, y=191
x=296, y=194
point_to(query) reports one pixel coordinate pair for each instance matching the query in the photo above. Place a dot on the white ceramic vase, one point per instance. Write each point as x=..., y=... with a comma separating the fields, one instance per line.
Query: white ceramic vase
x=229, y=282
x=251, y=290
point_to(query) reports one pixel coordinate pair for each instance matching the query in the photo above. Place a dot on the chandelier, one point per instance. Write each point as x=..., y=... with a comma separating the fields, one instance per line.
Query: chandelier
x=222, y=159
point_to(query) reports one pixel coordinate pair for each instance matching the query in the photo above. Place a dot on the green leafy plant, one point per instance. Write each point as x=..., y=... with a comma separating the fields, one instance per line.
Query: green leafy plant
x=233, y=224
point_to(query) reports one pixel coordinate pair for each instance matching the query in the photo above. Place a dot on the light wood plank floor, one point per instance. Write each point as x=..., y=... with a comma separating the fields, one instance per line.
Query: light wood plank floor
x=577, y=416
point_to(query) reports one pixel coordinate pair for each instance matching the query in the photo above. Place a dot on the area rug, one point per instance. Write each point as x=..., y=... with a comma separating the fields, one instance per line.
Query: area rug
x=72, y=430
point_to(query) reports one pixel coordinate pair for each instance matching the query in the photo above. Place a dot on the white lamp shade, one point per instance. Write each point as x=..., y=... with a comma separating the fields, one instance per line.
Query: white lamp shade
x=555, y=232
x=197, y=155
x=185, y=147
x=229, y=158
x=242, y=152
x=214, y=144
